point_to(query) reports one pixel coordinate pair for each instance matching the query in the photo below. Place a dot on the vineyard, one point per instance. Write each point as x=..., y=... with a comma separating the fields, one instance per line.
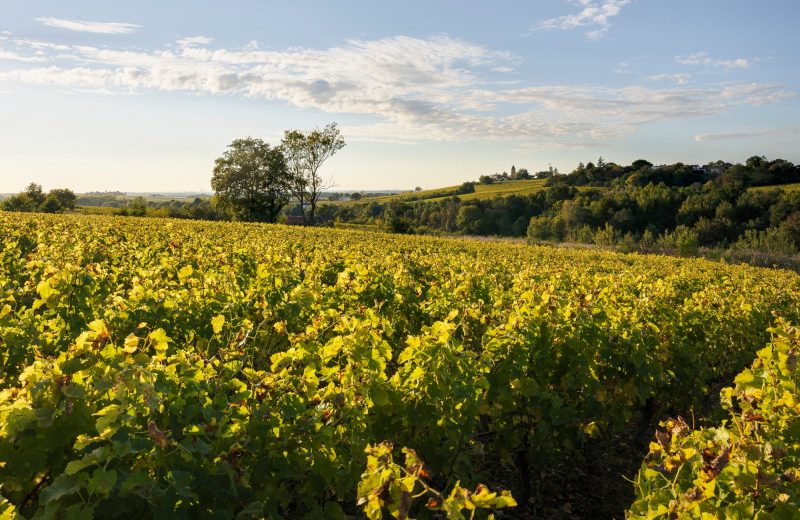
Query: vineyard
x=188, y=370
x=482, y=191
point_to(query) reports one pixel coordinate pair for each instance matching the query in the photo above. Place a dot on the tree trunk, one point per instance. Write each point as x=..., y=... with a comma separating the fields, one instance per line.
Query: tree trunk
x=302, y=208
x=312, y=210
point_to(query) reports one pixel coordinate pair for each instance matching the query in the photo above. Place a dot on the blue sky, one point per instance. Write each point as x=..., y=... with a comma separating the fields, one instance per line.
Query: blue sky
x=142, y=96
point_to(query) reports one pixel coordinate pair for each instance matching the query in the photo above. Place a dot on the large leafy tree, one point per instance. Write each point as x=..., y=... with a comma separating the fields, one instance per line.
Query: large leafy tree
x=59, y=200
x=305, y=153
x=251, y=180
x=34, y=199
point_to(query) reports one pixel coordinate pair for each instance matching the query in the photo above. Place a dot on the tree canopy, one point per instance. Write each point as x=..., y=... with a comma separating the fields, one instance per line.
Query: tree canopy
x=34, y=199
x=305, y=153
x=251, y=180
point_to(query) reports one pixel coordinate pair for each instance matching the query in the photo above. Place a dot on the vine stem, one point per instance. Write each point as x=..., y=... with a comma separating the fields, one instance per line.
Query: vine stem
x=35, y=490
x=455, y=456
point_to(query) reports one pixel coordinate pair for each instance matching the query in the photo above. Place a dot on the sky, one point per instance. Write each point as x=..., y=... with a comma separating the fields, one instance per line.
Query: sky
x=143, y=96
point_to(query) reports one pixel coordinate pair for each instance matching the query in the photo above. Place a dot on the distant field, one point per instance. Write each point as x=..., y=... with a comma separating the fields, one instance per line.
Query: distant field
x=95, y=210
x=482, y=191
x=785, y=187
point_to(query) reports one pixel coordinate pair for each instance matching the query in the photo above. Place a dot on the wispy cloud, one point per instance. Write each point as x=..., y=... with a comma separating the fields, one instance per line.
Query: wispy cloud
x=679, y=78
x=90, y=27
x=437, y=88
x=702, y=58
x=595, y=15
x=195, y=41
x=751, y=134
x=623, y=68
x=13, y=56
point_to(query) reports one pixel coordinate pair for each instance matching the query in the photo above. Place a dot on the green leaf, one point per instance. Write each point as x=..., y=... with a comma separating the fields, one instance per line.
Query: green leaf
x=44, y=289
x=79, y=512
x=131, y=344
x=159, y=339
x=102, y=481
x=77, y=465
x=185, y=272
x=740, y=511
x=217, y=322
x=61, y=486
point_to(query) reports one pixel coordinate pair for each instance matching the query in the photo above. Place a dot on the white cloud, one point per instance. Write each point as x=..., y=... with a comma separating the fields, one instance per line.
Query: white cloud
x=702, y=58
x=680, y=78
x=195, y=40
x=623, y=68
x=91, y=27
x=750, y=134
x=595, y=15
x=13, y=56
x=438, y=88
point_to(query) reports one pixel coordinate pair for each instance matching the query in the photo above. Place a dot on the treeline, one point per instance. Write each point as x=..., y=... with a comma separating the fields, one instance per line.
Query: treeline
x=33, y=198
x=735, y=211
x=197, y=209
x=677, y=208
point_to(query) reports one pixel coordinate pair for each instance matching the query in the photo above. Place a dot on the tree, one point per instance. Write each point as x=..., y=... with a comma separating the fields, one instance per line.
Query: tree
x=19, y=202
x=355, y=196
x=58, y=200
x=138, y=207
x=35, y=193
x=756, y=161
x=51, y=205
x=468, y=219
x=305, y=153
x=640, y=164
x=252, y=181
x=31, y=199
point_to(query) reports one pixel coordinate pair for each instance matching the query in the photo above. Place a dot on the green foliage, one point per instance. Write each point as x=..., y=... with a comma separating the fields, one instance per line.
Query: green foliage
x=137, y=207
x=673, y=209
x=251, y=180
x=34, y=199
x=749, y=466
x=386, y=485
x=682, y=241
x=20, y=202
x=156, y=367
x=305, y=153
x=468, y=219
x=59, y=200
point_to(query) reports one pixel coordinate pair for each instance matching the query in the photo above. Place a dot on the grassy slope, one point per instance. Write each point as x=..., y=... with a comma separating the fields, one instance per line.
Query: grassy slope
x=786, y=187
x=506, y=188
x=482, y=191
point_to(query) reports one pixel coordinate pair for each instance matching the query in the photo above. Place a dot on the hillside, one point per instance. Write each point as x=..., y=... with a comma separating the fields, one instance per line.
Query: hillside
x=482, y=191
x=791, y=187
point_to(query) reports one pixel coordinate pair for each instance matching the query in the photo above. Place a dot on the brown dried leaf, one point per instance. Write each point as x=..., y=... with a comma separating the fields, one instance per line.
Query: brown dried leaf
x=159, y=437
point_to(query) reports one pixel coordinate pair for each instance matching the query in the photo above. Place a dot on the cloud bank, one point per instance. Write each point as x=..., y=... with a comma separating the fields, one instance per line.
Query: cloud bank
x=439, y=88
